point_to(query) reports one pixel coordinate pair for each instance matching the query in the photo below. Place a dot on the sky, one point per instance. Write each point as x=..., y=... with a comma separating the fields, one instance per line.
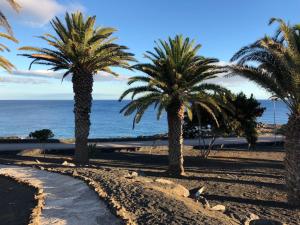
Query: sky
x=222, y=27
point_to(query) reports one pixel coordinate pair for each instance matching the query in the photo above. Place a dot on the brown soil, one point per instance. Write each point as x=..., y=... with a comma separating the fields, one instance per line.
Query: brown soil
x=17, y=202
x=245, y=182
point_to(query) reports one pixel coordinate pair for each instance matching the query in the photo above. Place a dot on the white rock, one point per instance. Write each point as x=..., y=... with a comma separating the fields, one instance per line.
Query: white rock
x=199, y=192
x=164, y=181
x=218, y=208
x=131, y=175
x=65, y=163
x=172, y=188
x=134, y=174
x=252, y=216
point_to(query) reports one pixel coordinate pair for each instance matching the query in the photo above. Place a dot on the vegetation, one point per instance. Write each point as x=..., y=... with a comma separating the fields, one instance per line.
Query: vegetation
x=175, y=77
x=238, y=119
x=82, y=51
x=4, y=63
x=42, y=135
x=274, y=64
x=3, y=21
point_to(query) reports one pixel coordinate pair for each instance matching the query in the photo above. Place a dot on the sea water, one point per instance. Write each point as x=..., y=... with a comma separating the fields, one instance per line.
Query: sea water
x=19, y=118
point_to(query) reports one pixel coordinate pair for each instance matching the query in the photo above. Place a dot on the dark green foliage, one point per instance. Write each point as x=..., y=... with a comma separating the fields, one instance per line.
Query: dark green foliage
x=42, y=135
x=78, y=46
x=92, y=148
x=246, y=112
x=175, y=74
x=239, y=119
x=274, y=64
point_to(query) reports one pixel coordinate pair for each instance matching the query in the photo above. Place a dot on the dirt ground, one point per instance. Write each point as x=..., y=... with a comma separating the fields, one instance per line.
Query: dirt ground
x=17, y=202
x=243, y=181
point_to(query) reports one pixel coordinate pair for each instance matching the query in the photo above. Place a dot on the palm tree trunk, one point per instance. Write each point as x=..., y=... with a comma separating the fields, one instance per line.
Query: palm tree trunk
x=175, y=114
x=82, y=87
x=292, y=160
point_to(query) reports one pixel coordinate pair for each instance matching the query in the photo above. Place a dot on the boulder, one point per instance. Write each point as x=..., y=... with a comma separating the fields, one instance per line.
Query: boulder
x=199, y=192
x=65, y=163
x=131, y=175
x=164, y=181
x=170, y=187
x=250, y=217
x=221, y=208
x=30, y=152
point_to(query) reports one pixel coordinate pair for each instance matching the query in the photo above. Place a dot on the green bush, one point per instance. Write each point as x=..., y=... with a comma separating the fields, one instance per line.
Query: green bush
x=239, y=119
x=42, y=135
x=92, y=150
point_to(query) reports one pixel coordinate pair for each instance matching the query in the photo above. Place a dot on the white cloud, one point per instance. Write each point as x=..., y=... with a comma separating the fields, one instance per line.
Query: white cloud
x=18, y=80
x=38, y=13
x=32, y=75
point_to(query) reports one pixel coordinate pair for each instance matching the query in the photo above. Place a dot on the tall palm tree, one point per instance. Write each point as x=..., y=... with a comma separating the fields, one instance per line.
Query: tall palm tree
x=4, y=63
x=175, y=77
x=274, y=64
x=81, y=50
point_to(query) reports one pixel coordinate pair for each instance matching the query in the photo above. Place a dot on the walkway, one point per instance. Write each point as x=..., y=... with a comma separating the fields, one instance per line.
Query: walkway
x=68, y=201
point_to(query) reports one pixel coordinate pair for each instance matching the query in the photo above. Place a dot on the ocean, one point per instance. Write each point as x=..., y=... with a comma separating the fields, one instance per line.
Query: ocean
x=19, y=118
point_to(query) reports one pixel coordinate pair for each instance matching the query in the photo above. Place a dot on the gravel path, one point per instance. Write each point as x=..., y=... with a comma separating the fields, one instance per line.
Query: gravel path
x=67, y=200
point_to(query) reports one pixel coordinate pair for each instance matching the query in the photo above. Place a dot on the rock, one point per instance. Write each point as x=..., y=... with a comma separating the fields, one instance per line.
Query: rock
x=131, y=175
x=221, y=208
x=65, y=163
x=74, y=173
x=170, y=187
x=164, y=181
x=134, y=174
x=37, y=161
x=41, y=168
x=250, y=217
x=30, y=152
x=199, y=192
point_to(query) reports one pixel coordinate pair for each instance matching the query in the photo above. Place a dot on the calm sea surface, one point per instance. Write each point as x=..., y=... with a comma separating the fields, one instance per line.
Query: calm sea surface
x=19, y=118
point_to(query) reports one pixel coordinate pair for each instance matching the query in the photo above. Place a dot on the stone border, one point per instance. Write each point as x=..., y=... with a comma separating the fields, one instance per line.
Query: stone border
x=39, y=196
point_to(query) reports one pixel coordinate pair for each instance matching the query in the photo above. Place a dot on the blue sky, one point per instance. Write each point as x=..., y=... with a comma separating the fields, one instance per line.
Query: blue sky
x=221, y=26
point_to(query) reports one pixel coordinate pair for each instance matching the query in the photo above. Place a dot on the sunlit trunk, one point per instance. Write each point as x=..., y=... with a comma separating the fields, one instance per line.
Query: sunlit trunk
x=82, y=87
x=175, y=114
x=292, y=160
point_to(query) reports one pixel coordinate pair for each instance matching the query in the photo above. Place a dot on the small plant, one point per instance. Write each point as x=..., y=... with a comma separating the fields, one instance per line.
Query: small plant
x=92, y=150
x=42, y=135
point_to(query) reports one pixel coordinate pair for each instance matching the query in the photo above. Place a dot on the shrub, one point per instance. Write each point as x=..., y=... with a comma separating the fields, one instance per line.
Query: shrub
x=240, y=120
x=42, y=135
x=92, y=150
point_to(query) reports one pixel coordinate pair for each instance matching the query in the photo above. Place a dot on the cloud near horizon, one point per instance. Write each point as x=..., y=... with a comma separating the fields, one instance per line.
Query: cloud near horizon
x=43, y=76
x=37, y=13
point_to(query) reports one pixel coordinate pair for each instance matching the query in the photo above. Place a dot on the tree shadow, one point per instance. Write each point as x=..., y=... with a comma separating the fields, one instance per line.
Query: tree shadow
x=262, y=203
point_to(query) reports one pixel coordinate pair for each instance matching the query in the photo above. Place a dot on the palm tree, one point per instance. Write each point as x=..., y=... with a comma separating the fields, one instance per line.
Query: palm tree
x=274, y=64
x=3, y=20
x=81, y=50
x=175, y=78
x=4, y=63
